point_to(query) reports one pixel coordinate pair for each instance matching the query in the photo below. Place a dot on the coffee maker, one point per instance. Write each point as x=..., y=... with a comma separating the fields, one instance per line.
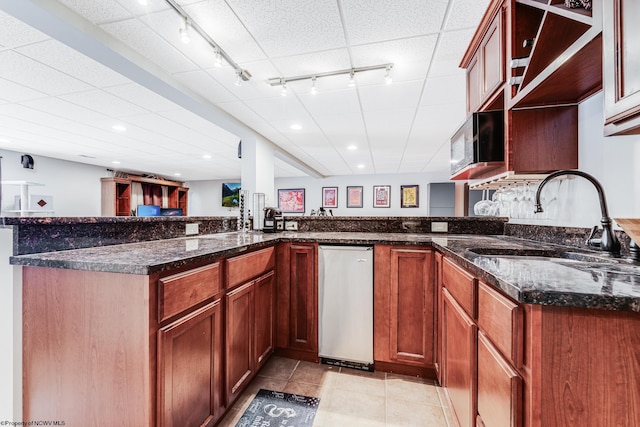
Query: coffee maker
x=273, y=220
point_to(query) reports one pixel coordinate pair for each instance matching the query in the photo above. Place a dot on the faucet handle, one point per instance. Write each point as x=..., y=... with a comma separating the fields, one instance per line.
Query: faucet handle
x=590, y=240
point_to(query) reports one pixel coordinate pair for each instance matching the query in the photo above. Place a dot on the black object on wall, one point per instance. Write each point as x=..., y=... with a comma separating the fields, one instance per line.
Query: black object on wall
x=27, y=161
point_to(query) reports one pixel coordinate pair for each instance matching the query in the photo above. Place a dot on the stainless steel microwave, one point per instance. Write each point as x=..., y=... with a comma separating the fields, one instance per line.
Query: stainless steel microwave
x=479, y=141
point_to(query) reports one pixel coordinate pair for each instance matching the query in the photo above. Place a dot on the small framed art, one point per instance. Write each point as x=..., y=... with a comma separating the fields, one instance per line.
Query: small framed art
x=409, y=196
x=291, y=200
x=329, y=197
x=381, y=196
x=354, y=197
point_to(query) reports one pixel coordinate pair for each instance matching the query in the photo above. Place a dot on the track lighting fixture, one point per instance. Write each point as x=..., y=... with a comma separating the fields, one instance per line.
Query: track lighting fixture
x=387, y=77
x=285, y=90
x=282, y=81
x=184, y=32
x=313, y=86
x=218, y=59
x=190, y=24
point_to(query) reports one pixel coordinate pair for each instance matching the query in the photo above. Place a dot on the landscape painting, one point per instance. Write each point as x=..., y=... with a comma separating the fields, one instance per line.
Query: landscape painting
x=231, y=194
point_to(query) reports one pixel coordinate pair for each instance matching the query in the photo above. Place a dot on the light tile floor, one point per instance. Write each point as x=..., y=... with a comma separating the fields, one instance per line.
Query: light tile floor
x=351, y=398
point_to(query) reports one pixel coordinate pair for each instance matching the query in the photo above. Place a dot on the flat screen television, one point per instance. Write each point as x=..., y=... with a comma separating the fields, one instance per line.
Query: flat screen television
x=148, y=210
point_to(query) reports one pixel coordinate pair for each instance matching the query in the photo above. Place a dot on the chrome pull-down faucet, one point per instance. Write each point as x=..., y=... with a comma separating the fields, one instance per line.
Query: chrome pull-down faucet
x=608, y=242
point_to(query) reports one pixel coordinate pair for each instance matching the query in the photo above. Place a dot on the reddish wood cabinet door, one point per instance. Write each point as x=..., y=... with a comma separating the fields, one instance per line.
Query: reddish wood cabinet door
x=239, y=333
x=303, y=298
x=264, y=308
x=438, y=351
x=621, y=66
x=459, y=352
x=499, y=388
x=190, y=369
x=411, y=306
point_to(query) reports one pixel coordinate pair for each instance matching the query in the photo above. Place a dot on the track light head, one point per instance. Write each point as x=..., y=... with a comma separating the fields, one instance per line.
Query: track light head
x=352, y=80
x=184, y=32
x=313, y=91
x=387, y=77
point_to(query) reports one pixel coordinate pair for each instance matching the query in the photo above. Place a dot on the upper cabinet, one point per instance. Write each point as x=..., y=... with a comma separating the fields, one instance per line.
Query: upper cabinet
x=536, y=60
x=621, y=67
x=554, y=53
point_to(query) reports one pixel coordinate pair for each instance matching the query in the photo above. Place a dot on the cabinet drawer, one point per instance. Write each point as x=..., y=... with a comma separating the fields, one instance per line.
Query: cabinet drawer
x=461, y=285
x=499, y=388
x=502, y=322
x=245, y=267
x=181, y=291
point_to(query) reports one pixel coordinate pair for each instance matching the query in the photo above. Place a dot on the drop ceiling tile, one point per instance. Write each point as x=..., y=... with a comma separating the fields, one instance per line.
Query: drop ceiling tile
x=444, y=90
x=73, y=63
x=98, y=12
x=466, y=14
x=64, y=109
x=441, y=120
x=203, y=84
x=35, y=75
x=369, y=21
x=141, y=96
x=152, y=6
x=344, y=129
x=211, y=132
x=278, y=109
x=400, y=52
x=336, y=102
x=390, y=97
x=317, y=62
x=150, y=45
x=14, y=33
x=291, y=27
x=107, y=104
x=221, y=24
x=449, y=53
x=14, y=92
x=388, y=126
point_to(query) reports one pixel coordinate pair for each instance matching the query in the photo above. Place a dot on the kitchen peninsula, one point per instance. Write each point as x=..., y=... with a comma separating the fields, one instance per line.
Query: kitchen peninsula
x=552, y=331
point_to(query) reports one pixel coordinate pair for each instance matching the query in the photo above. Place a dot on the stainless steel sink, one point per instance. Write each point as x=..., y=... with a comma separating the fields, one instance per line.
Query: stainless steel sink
x=532, y=253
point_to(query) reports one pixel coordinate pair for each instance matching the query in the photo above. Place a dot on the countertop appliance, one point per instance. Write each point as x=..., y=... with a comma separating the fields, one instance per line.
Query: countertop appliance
x=345, y=306
x=479, y=141
x=273, y=220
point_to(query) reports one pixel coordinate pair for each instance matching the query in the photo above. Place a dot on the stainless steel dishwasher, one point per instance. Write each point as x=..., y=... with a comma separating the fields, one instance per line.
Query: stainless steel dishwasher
x=345, y=299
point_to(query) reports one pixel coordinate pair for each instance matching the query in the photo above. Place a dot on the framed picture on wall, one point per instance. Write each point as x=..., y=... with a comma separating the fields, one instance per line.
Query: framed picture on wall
x=329, y=197
x=291, y=200
x=381, y=196
x=409, y=196
x=354, y=197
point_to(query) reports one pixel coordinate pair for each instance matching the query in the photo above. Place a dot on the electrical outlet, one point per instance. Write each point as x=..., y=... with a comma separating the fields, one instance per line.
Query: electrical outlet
x=191, y=229
x=291, y=225
x=439, y=227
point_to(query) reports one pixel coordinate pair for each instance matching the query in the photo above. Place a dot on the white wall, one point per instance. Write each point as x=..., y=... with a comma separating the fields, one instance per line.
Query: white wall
x=614, y=161
x=205, y=198
x=75, y=187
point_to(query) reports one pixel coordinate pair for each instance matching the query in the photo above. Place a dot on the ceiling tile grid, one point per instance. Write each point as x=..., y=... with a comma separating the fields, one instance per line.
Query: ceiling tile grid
x=397, y=128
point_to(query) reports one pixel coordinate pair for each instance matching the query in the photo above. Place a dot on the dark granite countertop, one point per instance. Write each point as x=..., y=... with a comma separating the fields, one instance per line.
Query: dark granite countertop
x=556, y=275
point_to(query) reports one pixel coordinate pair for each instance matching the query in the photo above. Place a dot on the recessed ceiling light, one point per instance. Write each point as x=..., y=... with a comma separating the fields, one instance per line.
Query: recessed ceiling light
x=116, y=162
x=143, y=2
x=4, y=140
x=177, y=174
x=295, y=126
x=352, y=147
x=206, y=156
x=119, y=128
x=360, y=166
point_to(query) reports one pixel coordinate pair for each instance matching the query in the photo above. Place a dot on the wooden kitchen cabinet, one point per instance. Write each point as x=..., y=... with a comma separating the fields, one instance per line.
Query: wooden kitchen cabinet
x=485, y=72
x=404, y=307
x=499, y=388
x=190, y=352
x=297, y=300
x=438, y=353
x=459, y=342
x=250, y=306
x=621, y=35
x=116, y=194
